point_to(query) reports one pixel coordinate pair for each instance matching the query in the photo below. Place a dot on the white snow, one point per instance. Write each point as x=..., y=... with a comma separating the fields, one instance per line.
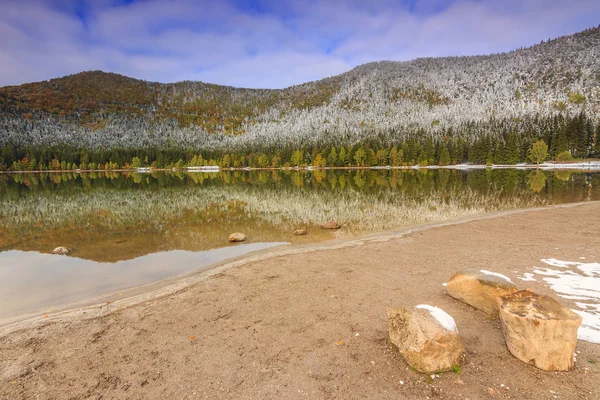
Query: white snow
x=590, y=326
x=589, y=165
x=557, y=263
x=576, y=281
x=444, y=319
x=506, y=278
x=527, y=276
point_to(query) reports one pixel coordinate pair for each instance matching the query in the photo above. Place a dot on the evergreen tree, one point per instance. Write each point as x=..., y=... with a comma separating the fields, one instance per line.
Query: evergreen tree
x=394, y=160
x=332, y=159
x=513, y=153
x=596, y=151
x=342, y=157
x=297, y=158
x=360, y=157
x=371, y=158
x=444, y=158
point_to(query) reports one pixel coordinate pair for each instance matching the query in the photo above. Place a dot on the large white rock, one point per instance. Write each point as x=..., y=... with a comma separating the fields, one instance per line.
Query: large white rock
x=480, y=289
x=539, y=331
x=426, y=337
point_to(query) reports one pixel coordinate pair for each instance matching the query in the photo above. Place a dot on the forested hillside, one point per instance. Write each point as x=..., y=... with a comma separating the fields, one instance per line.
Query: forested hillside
x=481, y=109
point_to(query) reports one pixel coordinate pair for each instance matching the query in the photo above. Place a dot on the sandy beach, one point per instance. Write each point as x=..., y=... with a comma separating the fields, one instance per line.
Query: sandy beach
x=310, y=323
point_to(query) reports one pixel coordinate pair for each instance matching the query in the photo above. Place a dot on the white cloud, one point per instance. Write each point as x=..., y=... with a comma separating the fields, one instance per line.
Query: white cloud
x=289, y=44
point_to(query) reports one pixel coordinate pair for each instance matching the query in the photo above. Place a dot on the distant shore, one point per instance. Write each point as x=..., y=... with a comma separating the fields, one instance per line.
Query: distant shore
x=310, y=321
x=578, y=165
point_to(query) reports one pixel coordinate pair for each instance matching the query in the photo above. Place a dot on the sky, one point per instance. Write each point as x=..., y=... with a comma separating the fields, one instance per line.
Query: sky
x=264, y=43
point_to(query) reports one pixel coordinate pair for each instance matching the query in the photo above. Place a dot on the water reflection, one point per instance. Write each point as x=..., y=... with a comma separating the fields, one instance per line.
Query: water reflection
x=109, y=217
x=536, y=180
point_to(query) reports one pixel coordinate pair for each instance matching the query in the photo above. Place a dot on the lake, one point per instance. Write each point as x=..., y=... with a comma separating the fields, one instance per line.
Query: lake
x=129, y=229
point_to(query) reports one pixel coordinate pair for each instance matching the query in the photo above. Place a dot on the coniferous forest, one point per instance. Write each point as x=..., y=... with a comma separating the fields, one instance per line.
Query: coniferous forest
x=479, y=109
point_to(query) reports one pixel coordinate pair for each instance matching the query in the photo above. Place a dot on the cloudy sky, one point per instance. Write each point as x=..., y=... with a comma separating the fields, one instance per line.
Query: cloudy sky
x=264, y=43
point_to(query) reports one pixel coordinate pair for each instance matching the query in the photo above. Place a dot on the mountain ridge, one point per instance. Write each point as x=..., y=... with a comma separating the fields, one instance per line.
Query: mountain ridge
x=532, y=93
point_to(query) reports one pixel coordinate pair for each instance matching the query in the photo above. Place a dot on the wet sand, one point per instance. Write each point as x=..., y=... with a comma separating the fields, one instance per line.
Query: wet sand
x=284, y=324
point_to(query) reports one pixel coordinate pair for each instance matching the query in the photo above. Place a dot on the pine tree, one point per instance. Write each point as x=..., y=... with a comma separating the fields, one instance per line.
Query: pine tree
x=333, y=158
x=444, y=158
x=342, y=157
x=596, y=152
x=297, y=158
x=513, y=155
x=394, y=161
x=382, y=157
x=360, y=157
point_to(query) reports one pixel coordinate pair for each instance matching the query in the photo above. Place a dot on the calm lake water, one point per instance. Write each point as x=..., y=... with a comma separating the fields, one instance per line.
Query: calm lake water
x=130, y=229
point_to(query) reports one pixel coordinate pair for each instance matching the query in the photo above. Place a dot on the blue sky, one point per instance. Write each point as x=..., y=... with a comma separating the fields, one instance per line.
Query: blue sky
x=264, y=43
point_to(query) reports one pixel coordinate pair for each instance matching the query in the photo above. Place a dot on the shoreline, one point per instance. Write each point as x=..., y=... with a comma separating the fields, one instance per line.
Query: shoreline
x=592, y=165
x=110, y=302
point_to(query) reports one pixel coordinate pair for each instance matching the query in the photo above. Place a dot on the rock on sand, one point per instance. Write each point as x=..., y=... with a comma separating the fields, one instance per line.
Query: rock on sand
x=426, y=337
x=237, y=237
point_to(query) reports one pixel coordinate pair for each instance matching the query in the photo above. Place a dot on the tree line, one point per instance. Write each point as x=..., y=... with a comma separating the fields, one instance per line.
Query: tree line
x=565, y=137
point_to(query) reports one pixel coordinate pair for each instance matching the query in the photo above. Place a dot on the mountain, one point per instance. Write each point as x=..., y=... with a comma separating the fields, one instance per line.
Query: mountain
x=474, y=106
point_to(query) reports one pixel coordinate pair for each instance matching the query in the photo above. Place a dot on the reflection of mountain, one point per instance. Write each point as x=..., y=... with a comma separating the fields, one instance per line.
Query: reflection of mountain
x=109, y=218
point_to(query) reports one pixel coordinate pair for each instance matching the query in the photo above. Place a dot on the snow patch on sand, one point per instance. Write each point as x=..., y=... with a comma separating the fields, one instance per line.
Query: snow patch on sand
x=441, y=316
x=590, y=326
x=576, y=281
x=506, y=278
x=527, y=276
x=557, y=263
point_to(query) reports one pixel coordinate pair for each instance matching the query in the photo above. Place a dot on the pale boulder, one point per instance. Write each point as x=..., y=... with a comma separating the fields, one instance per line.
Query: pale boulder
x=237, y=237
x=480, y=289
x=427, y=338
x=300, y=232
x=539, y=331
x=60, y=250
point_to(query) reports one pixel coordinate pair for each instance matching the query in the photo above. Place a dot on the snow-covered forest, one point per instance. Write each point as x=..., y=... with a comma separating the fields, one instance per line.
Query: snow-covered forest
x=482, y=109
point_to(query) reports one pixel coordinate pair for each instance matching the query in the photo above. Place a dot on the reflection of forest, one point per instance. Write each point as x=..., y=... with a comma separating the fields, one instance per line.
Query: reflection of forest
x=110, y=216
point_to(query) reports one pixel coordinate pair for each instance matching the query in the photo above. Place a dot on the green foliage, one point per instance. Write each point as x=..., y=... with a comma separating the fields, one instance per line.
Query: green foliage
x=332, y=159
x=576, y=98
x=297, y=158
x=342, y=157
x=560, y=106
x=564, y=156
x=395, y=157
x=538, y=152
x=536, y=181
x=360, y=157
x=136, y=162
x=444, y=156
